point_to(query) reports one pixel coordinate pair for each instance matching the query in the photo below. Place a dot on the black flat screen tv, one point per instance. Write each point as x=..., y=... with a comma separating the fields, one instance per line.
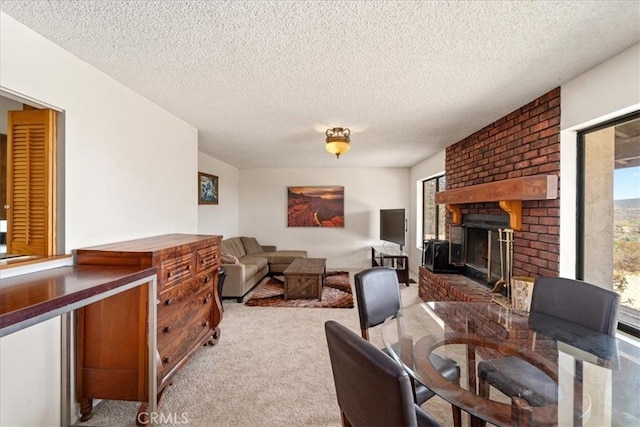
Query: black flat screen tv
x=392, y=226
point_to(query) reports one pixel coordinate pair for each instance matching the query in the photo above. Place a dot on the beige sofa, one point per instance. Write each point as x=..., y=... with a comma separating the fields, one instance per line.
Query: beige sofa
x=247, y=263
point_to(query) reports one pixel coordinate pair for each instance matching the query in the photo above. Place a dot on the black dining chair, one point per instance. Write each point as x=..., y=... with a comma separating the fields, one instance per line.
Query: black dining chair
x=570, y=302
x=378, y=298
x=371, y=388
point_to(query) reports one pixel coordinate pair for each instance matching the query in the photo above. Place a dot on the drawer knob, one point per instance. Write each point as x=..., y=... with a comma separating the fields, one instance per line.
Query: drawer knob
x=166, y=360
x=205, y=323
x=169, y=301
x=167, y=329
x=207, y=298
x=206, y=279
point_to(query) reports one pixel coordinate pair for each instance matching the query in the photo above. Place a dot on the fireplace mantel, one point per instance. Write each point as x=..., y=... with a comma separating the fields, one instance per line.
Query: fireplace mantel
x=509, y=193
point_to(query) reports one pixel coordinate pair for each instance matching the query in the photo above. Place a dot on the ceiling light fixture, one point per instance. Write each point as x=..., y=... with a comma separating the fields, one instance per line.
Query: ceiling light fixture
x=338, y=141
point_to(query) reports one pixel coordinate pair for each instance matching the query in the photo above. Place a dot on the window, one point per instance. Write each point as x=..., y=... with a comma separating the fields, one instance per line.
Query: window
x=432, y=214
x=609, y=212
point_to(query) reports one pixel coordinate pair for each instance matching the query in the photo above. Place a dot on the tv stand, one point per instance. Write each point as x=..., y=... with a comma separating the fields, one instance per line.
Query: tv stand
x=394, y=258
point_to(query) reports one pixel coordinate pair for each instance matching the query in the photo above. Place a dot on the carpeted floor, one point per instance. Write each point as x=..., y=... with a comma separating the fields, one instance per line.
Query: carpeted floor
x=336, y=293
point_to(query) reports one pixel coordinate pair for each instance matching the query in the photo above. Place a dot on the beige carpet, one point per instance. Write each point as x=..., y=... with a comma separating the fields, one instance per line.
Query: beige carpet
x=270, y=368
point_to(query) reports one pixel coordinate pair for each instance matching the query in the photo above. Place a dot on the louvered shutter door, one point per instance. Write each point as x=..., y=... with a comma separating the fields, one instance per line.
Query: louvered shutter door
x=31, y=182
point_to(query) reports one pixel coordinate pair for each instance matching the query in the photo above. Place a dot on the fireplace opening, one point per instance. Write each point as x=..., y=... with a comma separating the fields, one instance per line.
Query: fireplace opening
x=475, y=246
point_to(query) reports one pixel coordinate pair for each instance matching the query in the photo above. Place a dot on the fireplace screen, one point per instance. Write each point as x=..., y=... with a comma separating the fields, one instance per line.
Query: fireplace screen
x=476, y=246
x=478, y=252
x=483, y=253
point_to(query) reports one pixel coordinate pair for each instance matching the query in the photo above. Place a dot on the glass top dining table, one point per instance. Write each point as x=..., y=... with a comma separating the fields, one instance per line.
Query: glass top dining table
x=598, y=375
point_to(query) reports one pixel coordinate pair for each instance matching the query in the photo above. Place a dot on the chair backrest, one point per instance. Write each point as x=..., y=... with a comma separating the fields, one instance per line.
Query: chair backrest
x=377, y=296
x=576, y=301
x=372, y=389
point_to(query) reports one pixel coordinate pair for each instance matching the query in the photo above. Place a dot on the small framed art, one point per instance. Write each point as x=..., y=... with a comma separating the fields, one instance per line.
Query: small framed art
x=207, y=189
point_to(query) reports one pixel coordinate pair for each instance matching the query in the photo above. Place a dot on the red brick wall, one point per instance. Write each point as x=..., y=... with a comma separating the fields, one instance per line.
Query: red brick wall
x=524, y=142
x=450, y=287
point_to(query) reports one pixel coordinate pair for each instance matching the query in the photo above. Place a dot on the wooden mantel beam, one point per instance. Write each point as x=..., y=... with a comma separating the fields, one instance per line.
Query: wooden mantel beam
x=509, y=193
x=535, y=187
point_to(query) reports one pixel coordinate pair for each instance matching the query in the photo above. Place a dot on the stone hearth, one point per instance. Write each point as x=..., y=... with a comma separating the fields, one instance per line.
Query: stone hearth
x=450, y=287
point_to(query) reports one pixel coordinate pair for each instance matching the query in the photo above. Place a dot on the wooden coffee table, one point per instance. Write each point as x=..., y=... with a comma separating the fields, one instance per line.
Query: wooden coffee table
x=304, y=278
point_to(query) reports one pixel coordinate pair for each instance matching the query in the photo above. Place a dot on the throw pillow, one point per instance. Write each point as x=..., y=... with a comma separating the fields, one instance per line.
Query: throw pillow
x=251, y=245
x=229, y=259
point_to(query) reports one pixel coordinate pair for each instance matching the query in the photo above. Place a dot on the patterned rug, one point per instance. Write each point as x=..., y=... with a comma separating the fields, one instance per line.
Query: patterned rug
x=336, y=293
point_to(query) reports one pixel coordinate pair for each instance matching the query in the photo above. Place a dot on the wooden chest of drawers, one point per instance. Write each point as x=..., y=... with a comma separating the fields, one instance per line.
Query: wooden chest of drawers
x=111, y=335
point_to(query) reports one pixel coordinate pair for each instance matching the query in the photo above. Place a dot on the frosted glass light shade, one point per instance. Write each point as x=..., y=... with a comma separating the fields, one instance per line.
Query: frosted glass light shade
x=338, y=141
x=337, y=147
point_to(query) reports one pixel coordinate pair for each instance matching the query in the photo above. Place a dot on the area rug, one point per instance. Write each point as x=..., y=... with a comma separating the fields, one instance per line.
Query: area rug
x=336, y=293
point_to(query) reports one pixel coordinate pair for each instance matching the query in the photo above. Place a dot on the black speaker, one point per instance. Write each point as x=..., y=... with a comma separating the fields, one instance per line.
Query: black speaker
x=435, y=256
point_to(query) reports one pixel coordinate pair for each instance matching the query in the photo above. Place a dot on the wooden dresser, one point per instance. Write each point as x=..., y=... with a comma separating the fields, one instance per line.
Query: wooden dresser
x=111, y=334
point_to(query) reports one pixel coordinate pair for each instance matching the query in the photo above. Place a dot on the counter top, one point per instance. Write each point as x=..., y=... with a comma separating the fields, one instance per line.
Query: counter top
x=35, y=297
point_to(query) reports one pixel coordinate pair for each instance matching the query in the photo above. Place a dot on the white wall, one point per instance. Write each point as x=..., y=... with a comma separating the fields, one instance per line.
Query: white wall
x=429, y=167
x=602, y=93
x=127, y=165
x=224, y=218
x=607, y=91
x=263, y=210
x=33, y=349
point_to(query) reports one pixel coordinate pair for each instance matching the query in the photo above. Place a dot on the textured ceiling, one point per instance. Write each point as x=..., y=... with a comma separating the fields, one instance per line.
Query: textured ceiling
x=263, y=80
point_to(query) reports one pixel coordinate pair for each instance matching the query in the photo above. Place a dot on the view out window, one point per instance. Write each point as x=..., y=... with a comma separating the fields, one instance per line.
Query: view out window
x=609, y=236
x=432, y=214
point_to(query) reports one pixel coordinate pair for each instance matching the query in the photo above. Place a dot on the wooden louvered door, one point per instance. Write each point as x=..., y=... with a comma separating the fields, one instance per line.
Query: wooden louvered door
x=31, y=182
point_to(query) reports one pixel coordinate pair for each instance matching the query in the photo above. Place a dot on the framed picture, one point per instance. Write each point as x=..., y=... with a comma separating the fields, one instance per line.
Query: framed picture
x=207, y=189
x=521, y=292
x=315, y=206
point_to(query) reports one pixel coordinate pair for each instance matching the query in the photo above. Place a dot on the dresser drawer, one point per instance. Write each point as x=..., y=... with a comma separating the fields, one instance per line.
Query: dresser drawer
x=175, y=270
x=172, y=300
x=180, y=316
x=207, y=258
x=184, y=337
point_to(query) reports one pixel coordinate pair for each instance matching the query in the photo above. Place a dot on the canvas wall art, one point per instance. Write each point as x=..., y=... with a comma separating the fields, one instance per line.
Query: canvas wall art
x=315, y=206
x=207, y=189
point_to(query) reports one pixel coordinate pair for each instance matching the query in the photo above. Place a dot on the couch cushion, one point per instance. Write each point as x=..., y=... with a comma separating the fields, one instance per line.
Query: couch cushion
x=229, y=259
x=251, y=245
x=283, y=257
x=250, y=271
x=258, y=261
x=234, y=247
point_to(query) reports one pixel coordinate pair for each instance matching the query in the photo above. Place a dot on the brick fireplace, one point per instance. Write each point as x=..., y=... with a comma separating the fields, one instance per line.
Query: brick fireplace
x=524, y=143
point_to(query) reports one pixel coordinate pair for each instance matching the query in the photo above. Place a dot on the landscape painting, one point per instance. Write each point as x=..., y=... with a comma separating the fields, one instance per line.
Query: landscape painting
x=315, y=206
